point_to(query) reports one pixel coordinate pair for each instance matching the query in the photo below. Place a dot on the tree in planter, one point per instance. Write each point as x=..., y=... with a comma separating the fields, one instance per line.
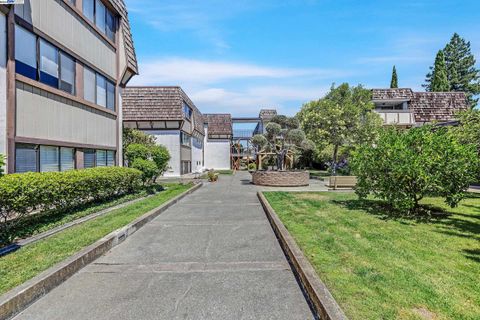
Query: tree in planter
x=405, y=166
x=282, y=136
x=342, y=119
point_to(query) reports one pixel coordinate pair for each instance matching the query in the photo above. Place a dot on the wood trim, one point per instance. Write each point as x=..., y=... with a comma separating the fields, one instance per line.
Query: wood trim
x=79, y=159
x=4, y=9
x=62, y=94
x=118, y=107
x=79, y=89
x=25, y=24
x=79, y=14
x=56, y=143
x=11, y=97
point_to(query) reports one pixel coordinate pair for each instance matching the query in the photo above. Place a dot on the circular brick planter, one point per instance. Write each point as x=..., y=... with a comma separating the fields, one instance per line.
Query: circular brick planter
x=281, y=178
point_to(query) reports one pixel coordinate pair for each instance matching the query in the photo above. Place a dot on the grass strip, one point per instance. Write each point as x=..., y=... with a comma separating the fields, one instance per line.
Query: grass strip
x=379, y=266
x=29, y=261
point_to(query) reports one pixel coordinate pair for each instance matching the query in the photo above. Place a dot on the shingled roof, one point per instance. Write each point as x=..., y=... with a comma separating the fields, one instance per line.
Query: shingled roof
x=218, y=124
x=158, y=104
x=120, y=6
x=426, y=106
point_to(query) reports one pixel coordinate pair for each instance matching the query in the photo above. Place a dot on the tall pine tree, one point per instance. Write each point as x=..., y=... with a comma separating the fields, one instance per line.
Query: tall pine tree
x=394, y=82
x=462, y=74
x=439, y=81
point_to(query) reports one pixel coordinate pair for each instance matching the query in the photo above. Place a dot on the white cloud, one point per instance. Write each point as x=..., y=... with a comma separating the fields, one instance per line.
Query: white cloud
x=179, y=71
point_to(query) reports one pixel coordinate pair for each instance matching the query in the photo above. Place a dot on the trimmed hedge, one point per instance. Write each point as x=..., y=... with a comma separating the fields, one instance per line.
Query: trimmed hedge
x=20, y=194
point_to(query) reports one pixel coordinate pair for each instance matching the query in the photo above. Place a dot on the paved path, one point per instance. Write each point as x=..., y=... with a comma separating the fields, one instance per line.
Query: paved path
x=211, y=256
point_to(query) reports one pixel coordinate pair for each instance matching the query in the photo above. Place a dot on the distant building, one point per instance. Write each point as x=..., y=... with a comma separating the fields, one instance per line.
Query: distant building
x=63, y=64
x=406, y=108
x=196, y=142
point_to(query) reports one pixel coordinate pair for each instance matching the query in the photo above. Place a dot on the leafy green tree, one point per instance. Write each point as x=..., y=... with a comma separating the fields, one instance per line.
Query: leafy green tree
x=462, y=74
x=148, y=168
x=2, y=164
x=439, y=75
x=404, y=166
x=342, y=119
x=157, y=155
x=282, y=135
x=468, y=130
x=134, y=136
x=161, y=157
x=394, y=82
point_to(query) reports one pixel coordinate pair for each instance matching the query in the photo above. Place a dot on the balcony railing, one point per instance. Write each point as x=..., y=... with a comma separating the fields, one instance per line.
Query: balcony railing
x=397, y=117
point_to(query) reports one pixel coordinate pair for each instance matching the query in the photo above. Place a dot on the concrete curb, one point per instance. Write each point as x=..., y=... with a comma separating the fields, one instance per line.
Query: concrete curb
x=27, y=293
x=21, y=243
x=321, y=299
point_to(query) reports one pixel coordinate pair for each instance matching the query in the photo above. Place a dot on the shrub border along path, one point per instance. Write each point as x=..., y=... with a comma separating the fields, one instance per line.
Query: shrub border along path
x=317, y=292
x=24, y=295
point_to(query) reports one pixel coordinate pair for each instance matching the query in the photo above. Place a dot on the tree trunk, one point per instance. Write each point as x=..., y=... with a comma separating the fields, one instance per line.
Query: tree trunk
x=335, y=155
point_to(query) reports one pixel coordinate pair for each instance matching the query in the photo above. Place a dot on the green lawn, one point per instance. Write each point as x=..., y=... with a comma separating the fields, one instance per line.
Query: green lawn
x=31, y=260
x=41, y=222
x=378, y=267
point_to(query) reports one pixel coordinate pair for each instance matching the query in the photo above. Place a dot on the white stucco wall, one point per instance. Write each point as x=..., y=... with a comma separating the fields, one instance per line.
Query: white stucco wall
x=217, y=153
x=197, y=157
x=171, y=140
x=3, y=84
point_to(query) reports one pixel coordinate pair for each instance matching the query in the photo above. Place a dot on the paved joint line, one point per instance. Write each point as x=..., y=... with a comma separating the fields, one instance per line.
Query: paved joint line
x=187, y=267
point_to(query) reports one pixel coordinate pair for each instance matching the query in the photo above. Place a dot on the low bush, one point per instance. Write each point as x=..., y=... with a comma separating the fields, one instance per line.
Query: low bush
x=152, y=160
x=405, y=166
x=22, y=194
x=148, y=168
x=212, y=176
x=252, y=167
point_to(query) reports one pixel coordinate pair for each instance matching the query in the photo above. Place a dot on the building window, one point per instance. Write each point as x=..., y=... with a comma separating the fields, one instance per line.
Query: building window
x=88, y=158
x=101, y=91
x=110, y=158
x=104, y=19
x=186, y=167
x=48, y=64
x=25, y=158
x=185, y=139
x=89, y=85
x=89, y=9
x=67, y=73
x=187, y=111
x=101, y=160
x=67, y=159
x=25, y=53
x=49, y=159
x=110, y=96
x=100, y=17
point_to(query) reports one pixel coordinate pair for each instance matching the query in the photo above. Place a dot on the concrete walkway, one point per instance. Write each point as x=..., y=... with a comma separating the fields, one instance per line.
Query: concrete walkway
x=211, y=256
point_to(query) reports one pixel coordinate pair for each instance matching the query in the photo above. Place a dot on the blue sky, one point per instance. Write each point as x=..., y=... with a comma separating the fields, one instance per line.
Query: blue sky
x=240, y=56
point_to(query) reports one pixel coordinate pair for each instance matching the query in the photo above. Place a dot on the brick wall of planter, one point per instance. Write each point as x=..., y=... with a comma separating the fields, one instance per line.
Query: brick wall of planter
x=281, y=178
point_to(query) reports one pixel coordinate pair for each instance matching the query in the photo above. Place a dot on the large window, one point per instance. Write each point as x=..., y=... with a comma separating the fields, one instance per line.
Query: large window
x=56, y=68
x=25, y=53
x=89, y=85
x=48, y=64
x=25, y=158
x=101, y=91
x=185, y=139
x=98, y=89
x=101, y=159
x=100, y=15
x=67, y=73
x=33, y=158
x=104, y=19
x=98, y=158
x=89, y=9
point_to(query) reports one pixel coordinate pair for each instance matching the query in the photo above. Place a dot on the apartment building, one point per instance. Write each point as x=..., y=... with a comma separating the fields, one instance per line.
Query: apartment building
x=172, y=118
x=405, y=108
x=218, y=141
x=61, y=78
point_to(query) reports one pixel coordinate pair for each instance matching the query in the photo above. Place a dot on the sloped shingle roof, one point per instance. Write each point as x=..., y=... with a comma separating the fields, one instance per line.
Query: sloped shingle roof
x=218, y=124
x=426, y=106
x=158, y=104
x=121, y=7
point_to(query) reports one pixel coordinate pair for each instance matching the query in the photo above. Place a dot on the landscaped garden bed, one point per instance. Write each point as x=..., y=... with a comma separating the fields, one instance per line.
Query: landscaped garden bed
x=379, y=265
x=29, y=261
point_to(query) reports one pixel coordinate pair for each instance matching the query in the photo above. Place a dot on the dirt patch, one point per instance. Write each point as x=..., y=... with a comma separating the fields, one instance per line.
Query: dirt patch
x=424, y=313
x=311, y=196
